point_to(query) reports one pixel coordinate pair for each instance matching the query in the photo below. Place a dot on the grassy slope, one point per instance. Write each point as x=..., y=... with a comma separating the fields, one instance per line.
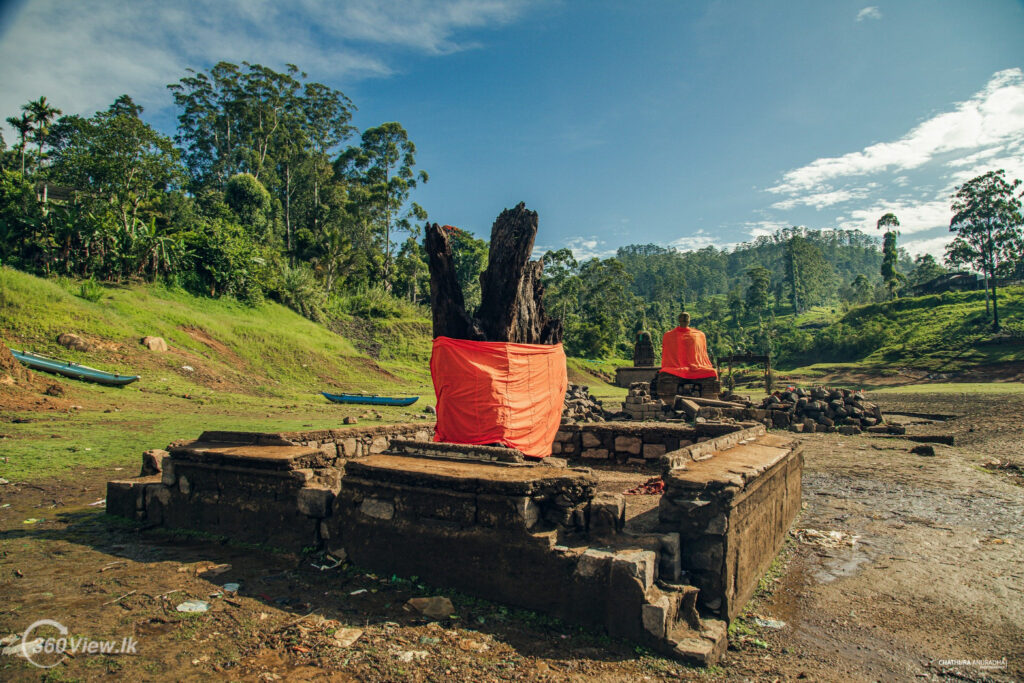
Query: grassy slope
x=254, y=369
x=933, y=333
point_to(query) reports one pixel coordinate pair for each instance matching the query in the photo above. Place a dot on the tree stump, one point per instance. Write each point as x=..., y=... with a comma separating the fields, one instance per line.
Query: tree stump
x=511, y=290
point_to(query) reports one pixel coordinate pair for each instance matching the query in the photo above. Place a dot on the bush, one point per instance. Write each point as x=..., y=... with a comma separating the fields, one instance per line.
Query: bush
x=90, y=290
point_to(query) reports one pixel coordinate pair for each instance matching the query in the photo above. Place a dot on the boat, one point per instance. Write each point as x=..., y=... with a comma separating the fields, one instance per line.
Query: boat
x=371, y=400
x=72, y=370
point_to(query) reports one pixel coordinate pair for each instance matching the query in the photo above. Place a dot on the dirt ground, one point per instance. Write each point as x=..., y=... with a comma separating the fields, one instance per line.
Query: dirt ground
x=931, y=589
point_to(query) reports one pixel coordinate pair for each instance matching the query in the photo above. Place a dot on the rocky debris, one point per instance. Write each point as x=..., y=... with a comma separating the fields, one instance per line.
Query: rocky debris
x=580, y=406
x=430, y=410
x=819, y=409
x=73, y=342
x=350, y=420
x=640, y=405
x=154, y=344
x=437, y=607
x=923, y=449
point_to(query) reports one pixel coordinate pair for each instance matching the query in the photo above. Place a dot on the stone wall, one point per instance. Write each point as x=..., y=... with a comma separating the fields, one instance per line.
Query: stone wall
x=536, y=536
x=732, y=514
x=625, y=442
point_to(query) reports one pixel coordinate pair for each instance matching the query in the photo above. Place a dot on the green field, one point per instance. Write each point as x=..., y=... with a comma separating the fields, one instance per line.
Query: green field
x=253, y=369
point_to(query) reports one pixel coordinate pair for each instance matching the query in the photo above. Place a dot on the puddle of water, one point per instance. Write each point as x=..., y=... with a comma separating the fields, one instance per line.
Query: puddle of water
x=839, y=563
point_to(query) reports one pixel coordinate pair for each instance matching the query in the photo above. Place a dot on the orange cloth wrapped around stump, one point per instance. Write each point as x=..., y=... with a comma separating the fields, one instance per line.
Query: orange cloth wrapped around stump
x=497, y=392
x=684, y=353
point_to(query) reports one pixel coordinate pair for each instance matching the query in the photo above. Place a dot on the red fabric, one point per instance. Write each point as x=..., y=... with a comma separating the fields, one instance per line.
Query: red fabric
x=496, y=392
x=684, y=353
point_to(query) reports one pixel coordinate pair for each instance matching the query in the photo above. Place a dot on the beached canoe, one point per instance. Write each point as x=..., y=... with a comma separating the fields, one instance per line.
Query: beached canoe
x=72, y=370
x=371, y=400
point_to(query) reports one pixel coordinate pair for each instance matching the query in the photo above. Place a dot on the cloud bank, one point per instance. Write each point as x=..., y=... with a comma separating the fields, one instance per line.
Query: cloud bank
x=82, y=55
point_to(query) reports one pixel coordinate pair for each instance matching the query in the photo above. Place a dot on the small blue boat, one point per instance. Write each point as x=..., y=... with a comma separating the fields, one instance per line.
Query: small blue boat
x=371, y=400
x=72, y=370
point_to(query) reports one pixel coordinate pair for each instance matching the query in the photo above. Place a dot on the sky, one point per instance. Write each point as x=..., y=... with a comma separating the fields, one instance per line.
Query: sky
x=684, y=124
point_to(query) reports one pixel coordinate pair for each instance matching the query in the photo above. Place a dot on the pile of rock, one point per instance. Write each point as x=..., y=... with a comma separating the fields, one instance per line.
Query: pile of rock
x=821, y=409
x=580, y=406
x=640, y=405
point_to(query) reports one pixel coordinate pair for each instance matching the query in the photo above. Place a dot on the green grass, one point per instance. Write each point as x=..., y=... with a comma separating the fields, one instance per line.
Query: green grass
x=264, y=350
x=942, y=332
x=956, y=388
x=254, y=369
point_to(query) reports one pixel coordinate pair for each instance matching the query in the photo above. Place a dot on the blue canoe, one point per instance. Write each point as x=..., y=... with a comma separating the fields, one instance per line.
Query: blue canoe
x=72, y=370
x=372, y=400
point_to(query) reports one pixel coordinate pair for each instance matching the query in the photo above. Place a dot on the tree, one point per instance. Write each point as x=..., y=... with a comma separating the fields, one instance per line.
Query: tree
x=988, y=223
x=251, y=203
x=383, y=162
x=759, y=290
x=925, y=270
x=24, y=125
x=121, y=162
x=42, y=114
x=890, y=255
x=810, y=276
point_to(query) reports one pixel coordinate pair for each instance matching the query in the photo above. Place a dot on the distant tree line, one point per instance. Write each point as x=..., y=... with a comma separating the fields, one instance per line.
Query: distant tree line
x=266, y=190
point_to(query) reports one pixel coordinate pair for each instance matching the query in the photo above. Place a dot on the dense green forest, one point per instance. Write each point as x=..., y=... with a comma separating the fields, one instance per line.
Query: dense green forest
x=266, y=190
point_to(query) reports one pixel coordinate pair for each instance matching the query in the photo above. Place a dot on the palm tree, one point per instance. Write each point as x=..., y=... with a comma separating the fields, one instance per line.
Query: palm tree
x=24, y=126
x=41, y=114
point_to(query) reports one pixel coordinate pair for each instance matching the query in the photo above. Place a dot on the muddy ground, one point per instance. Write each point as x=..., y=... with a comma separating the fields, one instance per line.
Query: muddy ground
x=935, y=574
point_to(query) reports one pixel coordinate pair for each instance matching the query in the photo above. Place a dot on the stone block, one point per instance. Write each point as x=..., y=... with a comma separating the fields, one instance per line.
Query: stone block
x=652, y=451
x=153, y=461
x=377, y=508
x=628, y=444
x=167, y=477
x=593, y=563
x=606, y=514
x=596, y=453
x=184, y=485
x=849, y=430
x=655, y=617
x=556, y=448
x=670, y=557
x=315, y=501
x=591, y=440
x=638, y=564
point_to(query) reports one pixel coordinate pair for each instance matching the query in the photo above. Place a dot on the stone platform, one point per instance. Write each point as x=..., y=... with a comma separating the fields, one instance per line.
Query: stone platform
x=626, y=376
x=532, y=535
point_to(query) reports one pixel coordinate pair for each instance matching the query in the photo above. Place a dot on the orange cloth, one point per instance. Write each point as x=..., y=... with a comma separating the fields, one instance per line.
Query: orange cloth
x=496, y=392
x=684, y=353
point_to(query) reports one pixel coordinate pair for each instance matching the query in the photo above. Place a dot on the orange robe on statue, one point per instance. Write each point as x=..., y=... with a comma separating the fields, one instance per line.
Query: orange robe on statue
x=684, y=353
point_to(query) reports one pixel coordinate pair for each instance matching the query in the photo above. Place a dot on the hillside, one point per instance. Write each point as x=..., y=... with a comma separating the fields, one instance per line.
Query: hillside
x=228, y=366
x=946, y=334
x=265, y=350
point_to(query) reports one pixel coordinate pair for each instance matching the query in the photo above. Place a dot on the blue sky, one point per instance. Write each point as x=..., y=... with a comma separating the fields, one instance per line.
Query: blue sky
x=680, y=123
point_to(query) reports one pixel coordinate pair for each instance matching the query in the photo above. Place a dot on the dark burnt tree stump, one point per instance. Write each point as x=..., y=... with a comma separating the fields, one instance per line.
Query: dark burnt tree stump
x=511, y=290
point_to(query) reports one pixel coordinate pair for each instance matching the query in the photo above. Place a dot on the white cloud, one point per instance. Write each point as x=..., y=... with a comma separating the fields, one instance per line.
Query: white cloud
x=820, y=200
x=993, y=116
x=936, y=246
x=869, y=13
x=83, y=55
x=584, y=248
x=764, y=228
x=697, y=240
x=915, y=216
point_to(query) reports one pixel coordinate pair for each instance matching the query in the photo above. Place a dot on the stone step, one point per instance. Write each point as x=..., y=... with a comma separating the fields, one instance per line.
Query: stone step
x=703, y=646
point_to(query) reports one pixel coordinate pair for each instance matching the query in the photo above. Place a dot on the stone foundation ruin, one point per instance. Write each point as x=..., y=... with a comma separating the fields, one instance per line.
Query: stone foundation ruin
x=552, y=534
x=542, y=536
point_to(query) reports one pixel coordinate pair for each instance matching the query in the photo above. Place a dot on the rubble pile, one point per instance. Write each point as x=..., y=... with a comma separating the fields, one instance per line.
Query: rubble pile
x=580, y=406
x=820, y=409
x=639, y=405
